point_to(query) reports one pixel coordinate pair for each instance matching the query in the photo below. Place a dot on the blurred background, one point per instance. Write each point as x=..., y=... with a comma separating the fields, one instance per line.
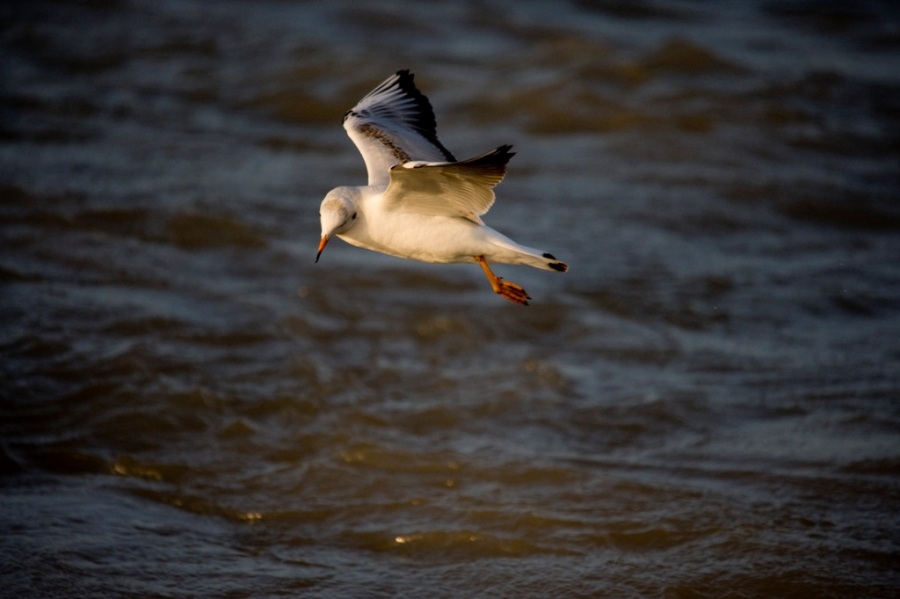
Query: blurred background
x=706, y=405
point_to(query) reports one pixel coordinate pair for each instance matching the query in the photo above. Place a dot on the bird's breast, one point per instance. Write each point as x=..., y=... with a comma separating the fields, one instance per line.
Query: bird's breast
x=419, y=237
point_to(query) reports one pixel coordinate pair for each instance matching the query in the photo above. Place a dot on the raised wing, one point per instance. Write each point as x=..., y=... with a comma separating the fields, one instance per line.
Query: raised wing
x=464, y=189
x=394, y=124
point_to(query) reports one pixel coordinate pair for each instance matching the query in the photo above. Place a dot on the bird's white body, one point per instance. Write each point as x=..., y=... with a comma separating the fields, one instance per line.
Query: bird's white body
x=429, y=238
x=420, y=202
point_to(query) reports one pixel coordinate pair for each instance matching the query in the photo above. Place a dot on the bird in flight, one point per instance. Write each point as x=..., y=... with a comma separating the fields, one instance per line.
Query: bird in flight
x=420, y=201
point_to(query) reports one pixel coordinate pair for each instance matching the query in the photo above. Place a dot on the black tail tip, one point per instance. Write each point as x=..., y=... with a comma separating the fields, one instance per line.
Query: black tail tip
x=556, y=265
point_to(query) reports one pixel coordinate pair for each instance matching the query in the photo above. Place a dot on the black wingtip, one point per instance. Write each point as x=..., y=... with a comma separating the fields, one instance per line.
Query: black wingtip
x=497, y=157
x=406, y=79
x=500, y=154
x=426, y=124
x=505, y=151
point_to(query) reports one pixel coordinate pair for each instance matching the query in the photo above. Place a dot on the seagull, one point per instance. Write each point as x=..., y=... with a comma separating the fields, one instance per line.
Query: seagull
x=420, y=201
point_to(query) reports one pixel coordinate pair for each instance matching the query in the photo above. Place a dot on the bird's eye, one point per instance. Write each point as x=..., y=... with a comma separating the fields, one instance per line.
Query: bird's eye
x=354, y=216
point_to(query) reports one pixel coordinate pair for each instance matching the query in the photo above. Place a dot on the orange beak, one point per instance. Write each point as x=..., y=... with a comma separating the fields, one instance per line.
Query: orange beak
x=321, y=247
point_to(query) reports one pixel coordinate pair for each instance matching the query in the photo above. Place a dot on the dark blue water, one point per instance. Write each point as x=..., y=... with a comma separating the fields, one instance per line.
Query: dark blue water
x=706, y=405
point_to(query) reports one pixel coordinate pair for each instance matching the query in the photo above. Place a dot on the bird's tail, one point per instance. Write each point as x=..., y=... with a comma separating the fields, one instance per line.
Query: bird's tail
x=519, y=254
x=555, y=264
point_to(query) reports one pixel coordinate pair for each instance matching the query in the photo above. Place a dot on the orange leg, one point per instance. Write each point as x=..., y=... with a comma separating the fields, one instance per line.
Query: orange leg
x=510, y=291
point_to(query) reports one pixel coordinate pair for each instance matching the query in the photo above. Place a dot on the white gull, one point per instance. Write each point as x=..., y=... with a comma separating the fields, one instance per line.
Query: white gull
x=421, y=202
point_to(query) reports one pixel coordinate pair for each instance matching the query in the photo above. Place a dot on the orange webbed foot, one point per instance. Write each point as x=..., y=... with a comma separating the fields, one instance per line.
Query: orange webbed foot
x=511, y=291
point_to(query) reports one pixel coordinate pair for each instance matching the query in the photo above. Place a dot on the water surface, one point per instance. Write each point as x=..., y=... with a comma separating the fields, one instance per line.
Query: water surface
x=705, y=405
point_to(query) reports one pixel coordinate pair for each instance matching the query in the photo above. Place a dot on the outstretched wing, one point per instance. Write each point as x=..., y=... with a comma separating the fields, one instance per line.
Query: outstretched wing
x=464, y=189
x=394, y=124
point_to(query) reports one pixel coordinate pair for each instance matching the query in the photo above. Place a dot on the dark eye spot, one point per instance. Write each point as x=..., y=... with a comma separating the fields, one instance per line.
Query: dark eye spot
x=354, y=216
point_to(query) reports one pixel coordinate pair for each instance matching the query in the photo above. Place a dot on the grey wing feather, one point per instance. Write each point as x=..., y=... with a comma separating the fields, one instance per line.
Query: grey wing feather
x=393, y=124
x=462, y=189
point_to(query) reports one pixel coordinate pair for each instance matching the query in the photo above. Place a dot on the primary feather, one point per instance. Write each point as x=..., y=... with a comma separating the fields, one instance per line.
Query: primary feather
x=393, y=124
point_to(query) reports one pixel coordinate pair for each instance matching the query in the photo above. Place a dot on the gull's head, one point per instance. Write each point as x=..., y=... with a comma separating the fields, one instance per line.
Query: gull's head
x=337, y=214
